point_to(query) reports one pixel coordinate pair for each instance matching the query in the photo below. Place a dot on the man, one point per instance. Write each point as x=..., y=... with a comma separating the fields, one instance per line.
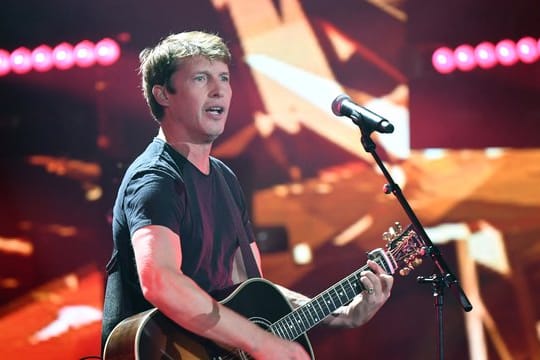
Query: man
x=174, y=240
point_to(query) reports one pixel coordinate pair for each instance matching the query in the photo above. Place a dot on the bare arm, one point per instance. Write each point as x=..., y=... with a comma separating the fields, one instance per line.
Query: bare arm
x=158, y=256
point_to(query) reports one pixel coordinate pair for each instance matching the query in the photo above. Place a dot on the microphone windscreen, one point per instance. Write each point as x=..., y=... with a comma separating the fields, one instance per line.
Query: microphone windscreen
x=336, y=104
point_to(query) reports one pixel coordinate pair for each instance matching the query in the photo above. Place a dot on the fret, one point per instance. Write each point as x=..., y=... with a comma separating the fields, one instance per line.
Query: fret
x=322, y=301
x=335, y=296
x=309, y=310
x=314, y=311
x=329, y=300
x=342, y=294
x=352, y=287
x=322, y=313
x=278, y=330
x=287, y=326
x=292, y=328
x=358, y=285
x=299, y=321
x=305, y=320
x=348, y=289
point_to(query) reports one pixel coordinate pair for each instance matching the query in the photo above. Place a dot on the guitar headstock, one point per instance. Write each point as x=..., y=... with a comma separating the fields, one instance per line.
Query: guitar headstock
x=405, y=247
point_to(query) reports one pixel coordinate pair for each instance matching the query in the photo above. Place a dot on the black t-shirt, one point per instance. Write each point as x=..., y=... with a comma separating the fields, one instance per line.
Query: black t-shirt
x=161, y=187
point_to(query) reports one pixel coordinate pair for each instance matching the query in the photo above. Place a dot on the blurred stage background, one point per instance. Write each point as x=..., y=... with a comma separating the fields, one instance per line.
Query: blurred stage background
x=466, y=153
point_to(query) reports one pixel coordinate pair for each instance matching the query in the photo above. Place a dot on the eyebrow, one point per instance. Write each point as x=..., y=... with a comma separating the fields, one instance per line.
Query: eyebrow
x=206, y=72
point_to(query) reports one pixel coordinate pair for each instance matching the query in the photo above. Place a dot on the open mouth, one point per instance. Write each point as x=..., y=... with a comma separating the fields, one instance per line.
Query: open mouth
x=218, y=110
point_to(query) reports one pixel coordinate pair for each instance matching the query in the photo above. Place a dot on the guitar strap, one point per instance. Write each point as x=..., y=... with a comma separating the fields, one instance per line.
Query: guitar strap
x=252, y=270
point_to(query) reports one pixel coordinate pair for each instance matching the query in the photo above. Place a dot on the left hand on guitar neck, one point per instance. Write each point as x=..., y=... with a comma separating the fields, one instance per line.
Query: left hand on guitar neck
x=377, y=285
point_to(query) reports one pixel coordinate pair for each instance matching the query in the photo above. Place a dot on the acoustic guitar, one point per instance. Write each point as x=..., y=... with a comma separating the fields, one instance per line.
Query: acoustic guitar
x=150, y=335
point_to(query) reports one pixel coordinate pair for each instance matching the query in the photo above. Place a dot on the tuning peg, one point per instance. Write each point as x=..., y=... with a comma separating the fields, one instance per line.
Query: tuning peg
x=398, y=229
x=387, y=236
x=417, y=262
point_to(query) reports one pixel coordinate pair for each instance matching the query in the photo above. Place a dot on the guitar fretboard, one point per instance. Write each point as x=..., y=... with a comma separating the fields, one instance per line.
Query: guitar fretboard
x=313, y=312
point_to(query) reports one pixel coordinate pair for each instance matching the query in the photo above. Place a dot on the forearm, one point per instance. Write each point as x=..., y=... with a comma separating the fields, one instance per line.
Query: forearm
x=201, y=314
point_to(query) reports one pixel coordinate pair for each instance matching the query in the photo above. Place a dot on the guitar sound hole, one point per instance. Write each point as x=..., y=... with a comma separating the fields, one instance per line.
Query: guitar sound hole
x=262, y=322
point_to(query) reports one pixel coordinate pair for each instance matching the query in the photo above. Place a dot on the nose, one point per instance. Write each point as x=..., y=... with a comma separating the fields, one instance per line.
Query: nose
x=216, y=92
x=219, y=89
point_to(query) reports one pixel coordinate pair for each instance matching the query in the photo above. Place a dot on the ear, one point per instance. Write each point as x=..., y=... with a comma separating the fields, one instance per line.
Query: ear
x=160, y=94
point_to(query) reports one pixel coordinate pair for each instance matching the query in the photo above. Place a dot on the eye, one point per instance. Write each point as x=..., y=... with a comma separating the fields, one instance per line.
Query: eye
x=200, y=77
x=225, y=78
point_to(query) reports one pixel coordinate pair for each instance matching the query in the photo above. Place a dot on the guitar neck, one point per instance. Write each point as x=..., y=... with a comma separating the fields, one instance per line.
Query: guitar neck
x=314, y=311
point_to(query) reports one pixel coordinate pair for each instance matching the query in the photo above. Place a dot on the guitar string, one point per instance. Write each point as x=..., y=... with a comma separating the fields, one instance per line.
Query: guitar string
x=396, y=253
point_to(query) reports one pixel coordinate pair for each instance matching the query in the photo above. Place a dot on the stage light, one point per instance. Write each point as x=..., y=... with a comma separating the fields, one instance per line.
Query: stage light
x=42, y=58
x=107, y=52
x=506, y=52
x=443, y=60
x=84, y=54
x=464, y=56
x=485, y=55
x=527, y=50
x=63, y=56
x=302, y=254
x=21, y=60
x=5, y=65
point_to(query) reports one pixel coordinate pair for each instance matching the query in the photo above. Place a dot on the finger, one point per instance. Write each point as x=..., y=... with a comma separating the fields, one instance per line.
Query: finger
x=387, y=282
x=372, y=276
x=367, y=283
x=376, y=268
x=388, y=279
x=382, y=284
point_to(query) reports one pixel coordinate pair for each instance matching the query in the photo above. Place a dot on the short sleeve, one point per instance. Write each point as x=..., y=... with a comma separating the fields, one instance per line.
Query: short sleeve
x=154, y=198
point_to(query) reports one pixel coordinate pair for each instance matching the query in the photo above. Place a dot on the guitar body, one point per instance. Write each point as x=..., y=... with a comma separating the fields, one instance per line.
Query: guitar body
x=150, y=335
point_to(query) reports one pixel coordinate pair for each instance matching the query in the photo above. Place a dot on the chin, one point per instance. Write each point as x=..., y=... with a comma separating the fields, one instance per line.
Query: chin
x=212, y=137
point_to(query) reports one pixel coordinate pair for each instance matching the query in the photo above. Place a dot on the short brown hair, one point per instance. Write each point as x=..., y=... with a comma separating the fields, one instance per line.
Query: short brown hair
x=159, y=63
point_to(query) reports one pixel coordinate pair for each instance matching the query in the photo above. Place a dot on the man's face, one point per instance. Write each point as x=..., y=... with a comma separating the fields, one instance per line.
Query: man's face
x=200, y=104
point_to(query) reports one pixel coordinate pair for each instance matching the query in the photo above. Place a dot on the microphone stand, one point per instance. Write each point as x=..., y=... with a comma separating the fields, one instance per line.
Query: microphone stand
x=443, y=278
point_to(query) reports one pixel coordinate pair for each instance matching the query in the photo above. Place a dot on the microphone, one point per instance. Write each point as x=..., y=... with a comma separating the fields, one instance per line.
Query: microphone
x=344, y=106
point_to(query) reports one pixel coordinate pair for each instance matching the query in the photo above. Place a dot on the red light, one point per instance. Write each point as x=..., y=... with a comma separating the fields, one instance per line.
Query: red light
x=485, y=55
x=84, y=54
x=42, y=58
x=5, y=66
x=506, y=52
x=63, y=56
x=527, y=50
x=21, y=60
x=107, y=52
x=464, y=55
x=443, y=60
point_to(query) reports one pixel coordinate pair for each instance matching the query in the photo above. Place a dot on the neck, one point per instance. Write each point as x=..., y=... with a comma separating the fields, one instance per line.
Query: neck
x=197, y=154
